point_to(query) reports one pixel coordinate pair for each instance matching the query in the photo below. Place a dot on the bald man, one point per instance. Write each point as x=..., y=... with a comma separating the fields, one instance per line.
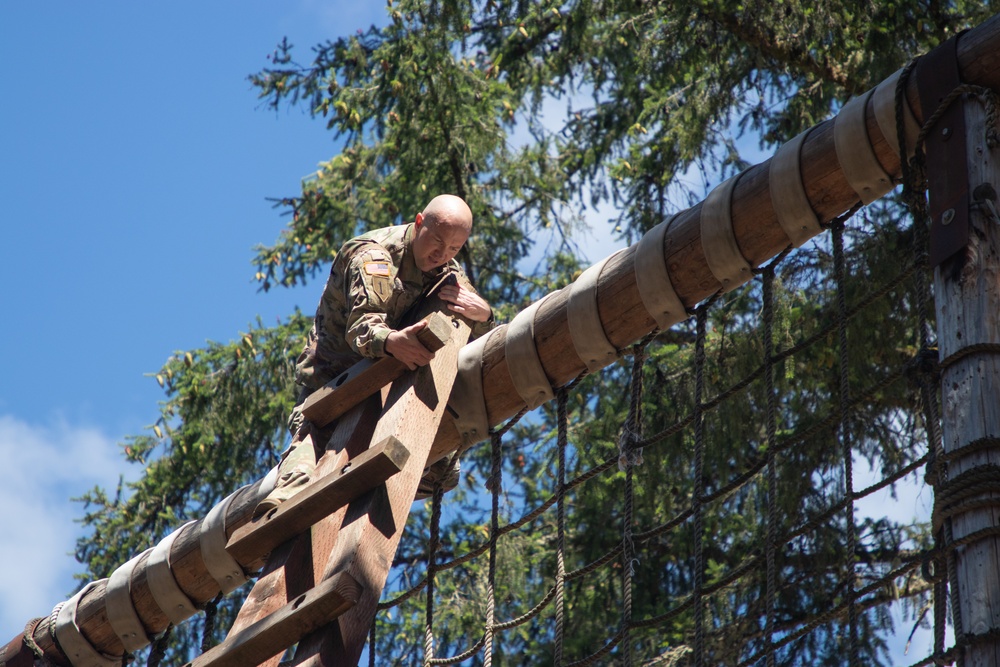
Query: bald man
x=376, y=278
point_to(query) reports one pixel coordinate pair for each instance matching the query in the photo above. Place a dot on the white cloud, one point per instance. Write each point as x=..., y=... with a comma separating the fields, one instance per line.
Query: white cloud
x=45, y=466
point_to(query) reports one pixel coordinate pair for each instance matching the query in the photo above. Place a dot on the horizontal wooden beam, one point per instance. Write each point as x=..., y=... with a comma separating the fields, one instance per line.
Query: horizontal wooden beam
x=758, y=235
x=368, y=376
x=274, y=634
x=318, y=499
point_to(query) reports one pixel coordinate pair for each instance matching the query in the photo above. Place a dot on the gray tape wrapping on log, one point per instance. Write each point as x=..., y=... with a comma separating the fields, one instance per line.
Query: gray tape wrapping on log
x=467, y=399
x=226, y=571
x=267, y=483
x=525, y=368
x=167, y=594
x=78, y=649
x=718, y=241
x=855, y=154
x=584, y=320
x=788, y=193
x=652, y=280
x=884, y=102
x=122, y=615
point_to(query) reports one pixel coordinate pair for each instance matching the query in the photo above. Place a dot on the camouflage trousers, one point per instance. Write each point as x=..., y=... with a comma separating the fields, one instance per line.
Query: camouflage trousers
x=310, y=442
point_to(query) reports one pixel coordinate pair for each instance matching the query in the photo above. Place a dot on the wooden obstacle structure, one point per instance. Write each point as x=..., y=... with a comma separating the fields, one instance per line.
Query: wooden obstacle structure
x=330, y=549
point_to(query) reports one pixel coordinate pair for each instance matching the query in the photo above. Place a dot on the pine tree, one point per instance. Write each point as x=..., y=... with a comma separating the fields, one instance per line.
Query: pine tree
x=542, y=116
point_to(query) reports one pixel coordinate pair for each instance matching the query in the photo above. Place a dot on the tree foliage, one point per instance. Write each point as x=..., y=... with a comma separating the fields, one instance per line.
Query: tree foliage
x=544, y=116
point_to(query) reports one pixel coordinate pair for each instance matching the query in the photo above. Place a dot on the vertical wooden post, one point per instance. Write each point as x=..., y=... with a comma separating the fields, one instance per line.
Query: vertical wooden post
x=967, y=295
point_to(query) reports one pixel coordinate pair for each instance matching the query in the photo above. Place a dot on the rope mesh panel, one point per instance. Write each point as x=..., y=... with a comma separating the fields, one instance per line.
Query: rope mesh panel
x=742, y=537
x=707, y=608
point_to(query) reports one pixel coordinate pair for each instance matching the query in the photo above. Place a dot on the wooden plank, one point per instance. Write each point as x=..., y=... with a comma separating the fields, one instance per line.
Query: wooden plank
x=967, y=297
x=373, y=524
x=282, y=629
x=367, y=377
x=318, y=499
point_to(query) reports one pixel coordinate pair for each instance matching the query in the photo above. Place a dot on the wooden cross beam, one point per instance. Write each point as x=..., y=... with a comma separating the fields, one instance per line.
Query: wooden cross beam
x=368, y=376
x=283, y=628
x=317, y=500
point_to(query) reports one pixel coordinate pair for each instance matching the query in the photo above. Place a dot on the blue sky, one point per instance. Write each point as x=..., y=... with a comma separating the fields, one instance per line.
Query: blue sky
x=137, y=163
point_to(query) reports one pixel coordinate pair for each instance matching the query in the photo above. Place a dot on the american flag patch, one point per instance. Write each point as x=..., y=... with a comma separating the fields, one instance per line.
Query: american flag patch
x=377, y=268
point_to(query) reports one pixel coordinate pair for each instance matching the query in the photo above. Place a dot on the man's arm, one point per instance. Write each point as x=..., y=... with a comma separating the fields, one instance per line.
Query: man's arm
x=368, y=283
x=369, y=286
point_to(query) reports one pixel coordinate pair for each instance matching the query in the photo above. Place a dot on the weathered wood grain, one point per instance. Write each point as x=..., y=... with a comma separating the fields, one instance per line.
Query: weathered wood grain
x=967, y=296
x=368, y=376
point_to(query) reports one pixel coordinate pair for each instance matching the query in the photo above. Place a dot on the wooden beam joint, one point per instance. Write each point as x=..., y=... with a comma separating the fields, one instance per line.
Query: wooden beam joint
x=286, y=626
x=318, y=499
x=367, y=377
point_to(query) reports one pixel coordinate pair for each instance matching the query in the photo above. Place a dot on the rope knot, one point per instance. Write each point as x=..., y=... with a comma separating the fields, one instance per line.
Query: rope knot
x=932, y=567
x=629, y=455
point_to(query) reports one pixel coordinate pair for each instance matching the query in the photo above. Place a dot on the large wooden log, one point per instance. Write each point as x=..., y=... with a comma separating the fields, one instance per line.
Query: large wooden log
x=759, y=238
x=188, y=568
x=758, y=235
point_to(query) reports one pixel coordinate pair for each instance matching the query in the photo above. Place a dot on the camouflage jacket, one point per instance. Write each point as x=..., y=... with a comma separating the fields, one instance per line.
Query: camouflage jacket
x=374, y=281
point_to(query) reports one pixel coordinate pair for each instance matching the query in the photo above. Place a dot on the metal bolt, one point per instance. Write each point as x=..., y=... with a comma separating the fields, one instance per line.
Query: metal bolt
x=948, y=216
x=946, y=133
x=345, y=468
x=991, y=207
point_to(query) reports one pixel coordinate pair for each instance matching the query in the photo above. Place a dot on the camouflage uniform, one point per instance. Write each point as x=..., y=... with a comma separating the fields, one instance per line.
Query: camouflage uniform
x=373, y=283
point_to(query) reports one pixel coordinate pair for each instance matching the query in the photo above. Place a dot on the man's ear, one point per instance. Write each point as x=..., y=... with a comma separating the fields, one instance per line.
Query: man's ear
x=419, y=220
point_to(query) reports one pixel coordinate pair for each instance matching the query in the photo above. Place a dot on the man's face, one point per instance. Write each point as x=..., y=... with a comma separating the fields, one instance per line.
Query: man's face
x=435, y=243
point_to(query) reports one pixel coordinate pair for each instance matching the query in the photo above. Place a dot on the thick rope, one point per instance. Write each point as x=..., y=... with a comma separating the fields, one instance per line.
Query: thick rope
x=211, y=613
x=698, y=490
x=494, y=483
x=840, y=274
x=432, y=547
x=159, y=648
x=371, y=643
x=772, y=476
x=629, y=457
x=562, y=397
x=29, y=641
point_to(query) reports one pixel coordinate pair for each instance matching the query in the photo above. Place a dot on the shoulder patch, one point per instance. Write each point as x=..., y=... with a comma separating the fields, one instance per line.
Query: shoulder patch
x=378, y=255
x=380, y=268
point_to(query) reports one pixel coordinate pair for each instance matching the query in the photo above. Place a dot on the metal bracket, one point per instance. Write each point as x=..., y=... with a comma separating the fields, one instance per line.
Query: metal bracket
x=947, y=161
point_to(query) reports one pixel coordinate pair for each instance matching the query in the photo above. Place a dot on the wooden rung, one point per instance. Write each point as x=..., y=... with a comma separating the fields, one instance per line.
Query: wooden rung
x=286, y=626
x=318, y=499
x=367, y=377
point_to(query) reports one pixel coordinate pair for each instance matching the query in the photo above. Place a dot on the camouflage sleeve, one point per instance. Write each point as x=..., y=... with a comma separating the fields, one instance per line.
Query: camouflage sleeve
x=368, y=288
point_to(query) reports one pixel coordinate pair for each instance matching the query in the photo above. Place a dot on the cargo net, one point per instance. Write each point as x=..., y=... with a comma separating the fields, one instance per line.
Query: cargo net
x=697, y=503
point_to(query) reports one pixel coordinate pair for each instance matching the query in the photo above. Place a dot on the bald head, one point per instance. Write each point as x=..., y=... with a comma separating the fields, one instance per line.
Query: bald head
x=441, y=230
x=448, y=210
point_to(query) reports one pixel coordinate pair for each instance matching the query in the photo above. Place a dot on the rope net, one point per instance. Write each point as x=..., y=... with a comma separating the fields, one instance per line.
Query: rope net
x=700, y=502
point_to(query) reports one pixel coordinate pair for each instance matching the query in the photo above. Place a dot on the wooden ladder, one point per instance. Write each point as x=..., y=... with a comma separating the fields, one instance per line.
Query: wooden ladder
x=327, y=551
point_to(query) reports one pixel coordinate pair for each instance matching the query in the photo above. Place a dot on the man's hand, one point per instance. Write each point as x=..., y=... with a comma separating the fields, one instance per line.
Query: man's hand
x=405, y=346
x=466, y=302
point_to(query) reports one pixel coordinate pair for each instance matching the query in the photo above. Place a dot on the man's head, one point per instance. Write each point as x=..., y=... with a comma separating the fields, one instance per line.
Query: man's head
x=440, y=231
